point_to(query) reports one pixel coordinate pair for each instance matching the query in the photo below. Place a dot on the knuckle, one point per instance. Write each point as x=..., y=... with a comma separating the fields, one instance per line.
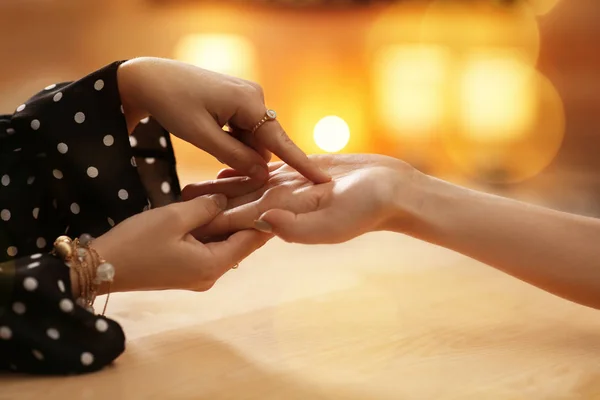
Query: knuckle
x=258, y=89
x=239, y=90
x=249, y=91
x=254, y=87
x=247, y=95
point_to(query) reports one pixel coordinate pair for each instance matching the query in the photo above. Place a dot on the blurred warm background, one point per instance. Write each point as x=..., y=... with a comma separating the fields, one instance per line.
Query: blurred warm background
x=499, y=95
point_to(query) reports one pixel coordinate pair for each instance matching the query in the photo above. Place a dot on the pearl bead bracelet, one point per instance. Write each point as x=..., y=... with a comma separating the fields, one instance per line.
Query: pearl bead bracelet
x=90, y=269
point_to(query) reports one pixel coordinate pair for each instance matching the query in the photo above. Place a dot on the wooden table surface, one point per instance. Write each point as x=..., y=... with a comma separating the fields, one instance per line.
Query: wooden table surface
x=381, y=317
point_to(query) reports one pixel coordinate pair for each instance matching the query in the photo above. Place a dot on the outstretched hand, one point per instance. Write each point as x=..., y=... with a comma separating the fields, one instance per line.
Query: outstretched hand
x=359, y=199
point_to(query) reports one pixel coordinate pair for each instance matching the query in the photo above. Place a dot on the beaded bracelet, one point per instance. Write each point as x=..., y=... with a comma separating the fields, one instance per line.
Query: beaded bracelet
x=90, y=269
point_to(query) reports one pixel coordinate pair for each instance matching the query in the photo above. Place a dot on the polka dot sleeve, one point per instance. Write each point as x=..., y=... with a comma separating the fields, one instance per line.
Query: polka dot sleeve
x=42, y=331
x=68, y=166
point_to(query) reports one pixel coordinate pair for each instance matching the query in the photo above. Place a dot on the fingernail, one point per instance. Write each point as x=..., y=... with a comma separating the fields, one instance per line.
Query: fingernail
x=263, y=226
x=220, y=199
x=258, y=172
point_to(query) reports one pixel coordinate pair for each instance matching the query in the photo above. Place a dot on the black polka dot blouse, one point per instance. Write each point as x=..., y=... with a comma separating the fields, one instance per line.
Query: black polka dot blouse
x=68, y=166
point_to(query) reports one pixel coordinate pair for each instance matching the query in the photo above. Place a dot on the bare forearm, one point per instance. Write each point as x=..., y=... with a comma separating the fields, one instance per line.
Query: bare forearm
x=555, y=251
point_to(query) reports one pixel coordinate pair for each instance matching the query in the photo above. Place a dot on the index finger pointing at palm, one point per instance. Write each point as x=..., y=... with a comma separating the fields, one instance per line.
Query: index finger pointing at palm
x=272, y=135
x=262, y=123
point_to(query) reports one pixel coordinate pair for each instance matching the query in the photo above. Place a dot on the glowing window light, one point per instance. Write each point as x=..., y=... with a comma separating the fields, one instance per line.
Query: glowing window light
x=332, y=134
x=410, y=87
x=497, y=98
x=228, y=54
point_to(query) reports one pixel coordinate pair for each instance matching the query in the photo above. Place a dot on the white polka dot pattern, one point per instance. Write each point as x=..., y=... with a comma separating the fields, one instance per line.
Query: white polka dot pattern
x=75, y=208
x=34, y=264
x=79, y=117
x=92, y=172
x=108, y=140
x=37, y=354
x=30, y=284
x=101, y=325
x=40, y=243
x=62, y=148
x=53, y=333
x=99, y=85
x=19, y=308
x=87, y=359
x=84, y=178
x=5, y=333
x=66, y=305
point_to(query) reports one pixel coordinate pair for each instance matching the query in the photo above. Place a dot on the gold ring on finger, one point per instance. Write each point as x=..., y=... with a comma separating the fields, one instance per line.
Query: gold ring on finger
x=270, y=115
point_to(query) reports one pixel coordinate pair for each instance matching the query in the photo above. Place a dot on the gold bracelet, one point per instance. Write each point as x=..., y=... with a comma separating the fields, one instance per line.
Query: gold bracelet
x=91, y=270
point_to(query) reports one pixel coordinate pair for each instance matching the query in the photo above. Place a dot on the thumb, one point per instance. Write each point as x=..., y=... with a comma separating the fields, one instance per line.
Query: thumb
x=199, y=211
x=309, y=228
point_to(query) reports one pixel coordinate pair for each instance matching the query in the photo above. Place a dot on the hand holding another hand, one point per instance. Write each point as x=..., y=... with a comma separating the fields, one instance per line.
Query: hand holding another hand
x=155, y=251
x=367, y=193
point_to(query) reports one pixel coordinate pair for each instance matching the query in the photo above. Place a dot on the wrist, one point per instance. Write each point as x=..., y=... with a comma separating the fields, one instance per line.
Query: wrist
x=430, y=209
x=412, y=205
x=403, y=204
x=103, y=245
x=85, y=260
